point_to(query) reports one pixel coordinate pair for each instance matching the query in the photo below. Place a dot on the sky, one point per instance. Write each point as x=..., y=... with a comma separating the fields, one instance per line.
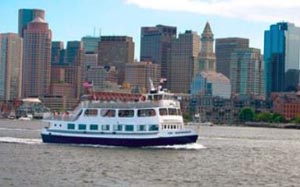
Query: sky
x=72, y=19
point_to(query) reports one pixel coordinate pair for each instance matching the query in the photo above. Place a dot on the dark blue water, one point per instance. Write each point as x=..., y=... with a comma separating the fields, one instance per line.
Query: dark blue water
x=223, y=156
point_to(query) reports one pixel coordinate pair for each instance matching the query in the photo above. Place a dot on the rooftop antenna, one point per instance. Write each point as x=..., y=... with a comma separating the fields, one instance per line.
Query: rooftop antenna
x=94, y=34
x=152, y=88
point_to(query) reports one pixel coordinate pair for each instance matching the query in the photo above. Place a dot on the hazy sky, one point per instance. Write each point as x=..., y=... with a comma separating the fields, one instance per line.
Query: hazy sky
x=73, y=19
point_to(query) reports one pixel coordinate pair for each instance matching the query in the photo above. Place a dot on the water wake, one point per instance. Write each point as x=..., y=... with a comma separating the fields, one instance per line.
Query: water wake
x=20, y=140
x=192, y=146
x=14, y=129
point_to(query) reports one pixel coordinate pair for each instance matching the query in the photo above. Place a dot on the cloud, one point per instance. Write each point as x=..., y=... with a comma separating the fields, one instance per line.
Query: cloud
x=253, y=10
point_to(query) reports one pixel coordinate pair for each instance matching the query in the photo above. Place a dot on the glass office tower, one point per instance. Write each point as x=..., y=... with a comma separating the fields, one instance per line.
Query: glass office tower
x=281, y=57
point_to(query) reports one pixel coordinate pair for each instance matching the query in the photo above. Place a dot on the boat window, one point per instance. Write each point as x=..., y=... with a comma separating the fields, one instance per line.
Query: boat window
x=149, y=97
x=129, y=127
x=91, y=112
x=93, y=127
x=172, y=111
x=146, y=112
x=179, y=112
x=108, y=113
x=105, y=127
x=126, y=113
x=118, y=127
x=141, y=128
x=163, y=111
x=153, y=127
x=157, y=97
x=71, y=126
x=81, y=127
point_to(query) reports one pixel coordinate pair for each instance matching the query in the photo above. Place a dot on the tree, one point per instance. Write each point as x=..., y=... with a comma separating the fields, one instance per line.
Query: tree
x=278, y=118
x=187, y=117
x=264, y=116
x=296, y=120
x=247, y=114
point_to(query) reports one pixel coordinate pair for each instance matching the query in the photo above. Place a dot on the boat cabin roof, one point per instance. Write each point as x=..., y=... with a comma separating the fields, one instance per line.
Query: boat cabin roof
x=119, y=105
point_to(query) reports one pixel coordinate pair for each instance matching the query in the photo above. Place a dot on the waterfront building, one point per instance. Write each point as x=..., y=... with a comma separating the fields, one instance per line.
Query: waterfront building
x=116, y=51
x=214, y=109
x=183, y=63
x=211, y=83
x=11, y=51
x=207, y=58
x=224, y=48
x=26, y=16
x=36, y=58
x=281, y=57
x=139, y=73
x=246, y=73
x=286, y=104
x=90, y=44
x=156, y=44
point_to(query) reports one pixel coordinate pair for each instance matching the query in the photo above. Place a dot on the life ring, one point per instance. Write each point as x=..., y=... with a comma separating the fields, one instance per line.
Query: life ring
x=143, y=98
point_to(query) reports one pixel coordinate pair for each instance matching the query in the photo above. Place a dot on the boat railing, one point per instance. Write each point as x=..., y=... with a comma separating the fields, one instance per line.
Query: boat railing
x=66, y=116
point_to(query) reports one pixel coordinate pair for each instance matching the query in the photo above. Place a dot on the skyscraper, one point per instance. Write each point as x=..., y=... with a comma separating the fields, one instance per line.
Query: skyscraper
x=67, y=69
x=224, y=48
x=156, y=44
x=183, y=63
x=138, y=74
x=90, y=44
x=57, y=52
x=26, y=16
x=246, y=72
x=281, y=57
x=116, y=51
x=74, y=66
x=10, y=66
x=207, y=81
x=207, y=58
x=36, y=58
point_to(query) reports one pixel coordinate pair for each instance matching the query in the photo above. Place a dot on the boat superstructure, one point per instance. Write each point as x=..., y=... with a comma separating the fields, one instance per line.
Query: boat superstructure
x=154, y=120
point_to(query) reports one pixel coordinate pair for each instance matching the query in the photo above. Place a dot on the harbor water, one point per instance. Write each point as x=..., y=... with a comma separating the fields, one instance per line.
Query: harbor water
x=223, y=156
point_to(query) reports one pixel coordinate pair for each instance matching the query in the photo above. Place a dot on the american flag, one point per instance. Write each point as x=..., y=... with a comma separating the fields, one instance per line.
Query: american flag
x=88, y=84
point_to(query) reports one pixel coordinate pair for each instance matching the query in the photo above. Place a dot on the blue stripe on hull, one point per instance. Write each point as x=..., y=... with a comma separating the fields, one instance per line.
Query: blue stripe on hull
x=120, y=142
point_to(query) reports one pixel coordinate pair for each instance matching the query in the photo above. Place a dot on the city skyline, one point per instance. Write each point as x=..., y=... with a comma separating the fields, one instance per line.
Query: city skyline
x=126, y=17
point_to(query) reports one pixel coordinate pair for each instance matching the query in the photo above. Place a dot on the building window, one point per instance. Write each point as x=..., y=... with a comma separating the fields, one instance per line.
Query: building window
x=108, y=113
x=93, y=127
x=146, y=113
x=81, y=127
x=153, y=127
x=91, y=112
x=71, y=126
x=129, y=128
x=126, y=113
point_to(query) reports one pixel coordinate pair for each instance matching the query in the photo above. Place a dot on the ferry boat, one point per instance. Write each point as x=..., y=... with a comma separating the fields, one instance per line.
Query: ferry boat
x=154, y=120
